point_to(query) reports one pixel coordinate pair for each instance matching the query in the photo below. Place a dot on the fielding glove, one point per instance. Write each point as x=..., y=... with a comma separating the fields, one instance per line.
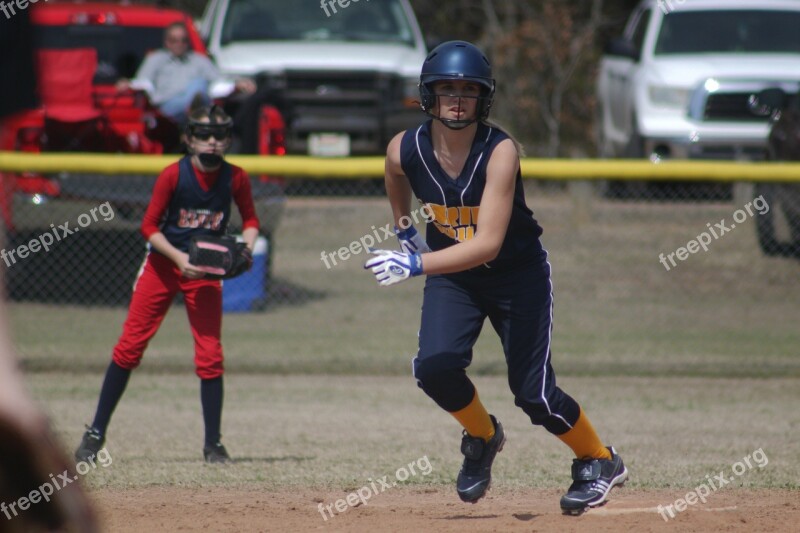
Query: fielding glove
x=393, y=267
x=242, y=262
x=220, y=257
x=411, y=242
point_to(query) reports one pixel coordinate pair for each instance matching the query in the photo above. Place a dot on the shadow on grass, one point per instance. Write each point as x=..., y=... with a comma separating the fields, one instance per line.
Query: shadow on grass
x=283, y=293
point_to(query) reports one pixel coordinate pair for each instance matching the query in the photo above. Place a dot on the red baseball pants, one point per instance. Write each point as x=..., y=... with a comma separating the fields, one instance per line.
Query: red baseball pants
x=156, y=287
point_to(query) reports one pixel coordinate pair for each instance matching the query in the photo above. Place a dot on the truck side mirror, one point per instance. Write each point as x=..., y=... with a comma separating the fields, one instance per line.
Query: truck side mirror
x=623, y=48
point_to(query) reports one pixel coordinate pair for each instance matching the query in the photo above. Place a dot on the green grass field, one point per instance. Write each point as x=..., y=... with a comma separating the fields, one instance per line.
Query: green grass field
x=685, y=371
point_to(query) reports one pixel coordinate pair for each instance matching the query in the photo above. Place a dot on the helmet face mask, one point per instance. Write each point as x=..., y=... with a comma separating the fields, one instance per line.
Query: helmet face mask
x=208, y=121
x=433, y=105
x=456, y=61
x=204, y=124
x=204, y=132
x=467, y=99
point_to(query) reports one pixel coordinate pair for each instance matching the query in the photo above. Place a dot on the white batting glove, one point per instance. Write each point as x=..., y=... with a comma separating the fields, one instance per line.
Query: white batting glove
x=411, y=242
x=393, y=267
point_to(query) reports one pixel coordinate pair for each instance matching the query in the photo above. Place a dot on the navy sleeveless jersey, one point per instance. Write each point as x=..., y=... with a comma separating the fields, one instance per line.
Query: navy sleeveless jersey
x=453, y=204
x=193, y=211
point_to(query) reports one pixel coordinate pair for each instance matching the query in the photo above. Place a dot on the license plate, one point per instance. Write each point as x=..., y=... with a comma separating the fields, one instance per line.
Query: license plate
x=329, y=144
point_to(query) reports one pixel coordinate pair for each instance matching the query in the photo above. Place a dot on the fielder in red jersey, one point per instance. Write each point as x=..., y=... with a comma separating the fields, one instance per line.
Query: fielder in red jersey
x=191, y=197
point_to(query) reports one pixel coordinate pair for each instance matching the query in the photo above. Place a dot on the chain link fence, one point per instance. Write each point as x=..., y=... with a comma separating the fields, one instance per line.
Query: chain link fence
x=82, y=246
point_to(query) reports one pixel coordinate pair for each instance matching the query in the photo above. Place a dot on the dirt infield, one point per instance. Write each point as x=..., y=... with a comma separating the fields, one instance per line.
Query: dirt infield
x=436, y=509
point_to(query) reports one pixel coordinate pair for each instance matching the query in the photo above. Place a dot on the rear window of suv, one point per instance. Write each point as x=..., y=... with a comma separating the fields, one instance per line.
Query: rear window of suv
x=268, y=20
x=729, y=31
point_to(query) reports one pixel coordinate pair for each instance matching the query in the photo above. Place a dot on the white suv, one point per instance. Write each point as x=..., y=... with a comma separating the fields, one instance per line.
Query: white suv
x=346, y=70
x=684, y=80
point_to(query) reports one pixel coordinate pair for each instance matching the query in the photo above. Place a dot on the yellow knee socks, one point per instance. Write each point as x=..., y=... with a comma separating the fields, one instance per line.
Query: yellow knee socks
x=475, y=419
x=584, y=441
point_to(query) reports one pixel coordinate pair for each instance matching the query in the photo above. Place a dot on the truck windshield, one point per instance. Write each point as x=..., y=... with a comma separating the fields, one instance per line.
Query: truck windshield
x=718, y=31
x=274, y=20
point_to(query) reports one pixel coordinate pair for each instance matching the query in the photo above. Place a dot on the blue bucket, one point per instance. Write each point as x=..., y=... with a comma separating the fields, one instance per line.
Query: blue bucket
x=248, y=292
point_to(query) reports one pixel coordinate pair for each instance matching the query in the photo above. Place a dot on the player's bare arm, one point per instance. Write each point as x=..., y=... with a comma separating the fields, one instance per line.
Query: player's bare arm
x=250, y=235
x=29, y=453
x=15, y=402
x=397, y=186
x=495, y=212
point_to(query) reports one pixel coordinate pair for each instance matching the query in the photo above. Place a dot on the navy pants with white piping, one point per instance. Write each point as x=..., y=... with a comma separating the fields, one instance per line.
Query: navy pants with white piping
x=519, y=304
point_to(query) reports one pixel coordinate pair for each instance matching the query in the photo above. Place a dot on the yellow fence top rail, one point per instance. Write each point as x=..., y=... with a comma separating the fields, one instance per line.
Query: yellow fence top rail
x=365, y=167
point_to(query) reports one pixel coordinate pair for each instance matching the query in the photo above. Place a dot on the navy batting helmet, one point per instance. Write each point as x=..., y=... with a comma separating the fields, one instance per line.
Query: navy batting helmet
x=457, y=60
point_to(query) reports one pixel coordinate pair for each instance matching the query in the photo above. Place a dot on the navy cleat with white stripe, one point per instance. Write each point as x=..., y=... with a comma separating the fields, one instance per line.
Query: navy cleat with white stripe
x=593, y=480
x=475, y=476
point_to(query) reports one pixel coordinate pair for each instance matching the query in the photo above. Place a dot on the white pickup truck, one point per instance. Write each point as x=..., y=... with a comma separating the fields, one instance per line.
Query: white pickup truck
x=346, y=69
x=685, y=78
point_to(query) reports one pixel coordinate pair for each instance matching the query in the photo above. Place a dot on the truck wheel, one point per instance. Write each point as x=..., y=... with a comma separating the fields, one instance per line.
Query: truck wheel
x=625, y=189
x=604, y=151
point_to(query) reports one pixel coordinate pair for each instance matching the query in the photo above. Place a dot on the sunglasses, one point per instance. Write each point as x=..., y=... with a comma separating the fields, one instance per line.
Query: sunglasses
x=205, y=134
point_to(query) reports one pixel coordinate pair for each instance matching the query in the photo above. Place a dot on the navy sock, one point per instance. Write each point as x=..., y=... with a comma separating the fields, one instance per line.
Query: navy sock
x=113, y=386
x=211, y=398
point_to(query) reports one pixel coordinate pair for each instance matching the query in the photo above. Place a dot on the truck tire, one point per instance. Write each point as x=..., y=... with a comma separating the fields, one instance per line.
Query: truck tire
x=626, y=189
x=604, y=151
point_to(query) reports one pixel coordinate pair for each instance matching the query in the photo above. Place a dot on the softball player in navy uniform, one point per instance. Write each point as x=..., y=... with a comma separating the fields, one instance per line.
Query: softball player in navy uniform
x=190, y=197
x=483, y=258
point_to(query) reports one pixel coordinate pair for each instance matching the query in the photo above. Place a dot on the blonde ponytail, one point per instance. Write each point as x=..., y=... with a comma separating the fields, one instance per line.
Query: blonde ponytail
x=517, y=144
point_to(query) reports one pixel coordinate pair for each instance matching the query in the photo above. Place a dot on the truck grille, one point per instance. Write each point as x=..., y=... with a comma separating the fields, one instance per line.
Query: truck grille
x=731, y=106
x=356, y=103
x=340, y=92
x=309, y=81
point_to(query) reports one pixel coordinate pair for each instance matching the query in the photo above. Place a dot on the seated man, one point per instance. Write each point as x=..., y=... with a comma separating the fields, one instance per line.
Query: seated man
x=177, y=77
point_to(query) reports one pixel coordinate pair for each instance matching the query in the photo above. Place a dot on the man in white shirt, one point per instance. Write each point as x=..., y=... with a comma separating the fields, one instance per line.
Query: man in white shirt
x=177, y=77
